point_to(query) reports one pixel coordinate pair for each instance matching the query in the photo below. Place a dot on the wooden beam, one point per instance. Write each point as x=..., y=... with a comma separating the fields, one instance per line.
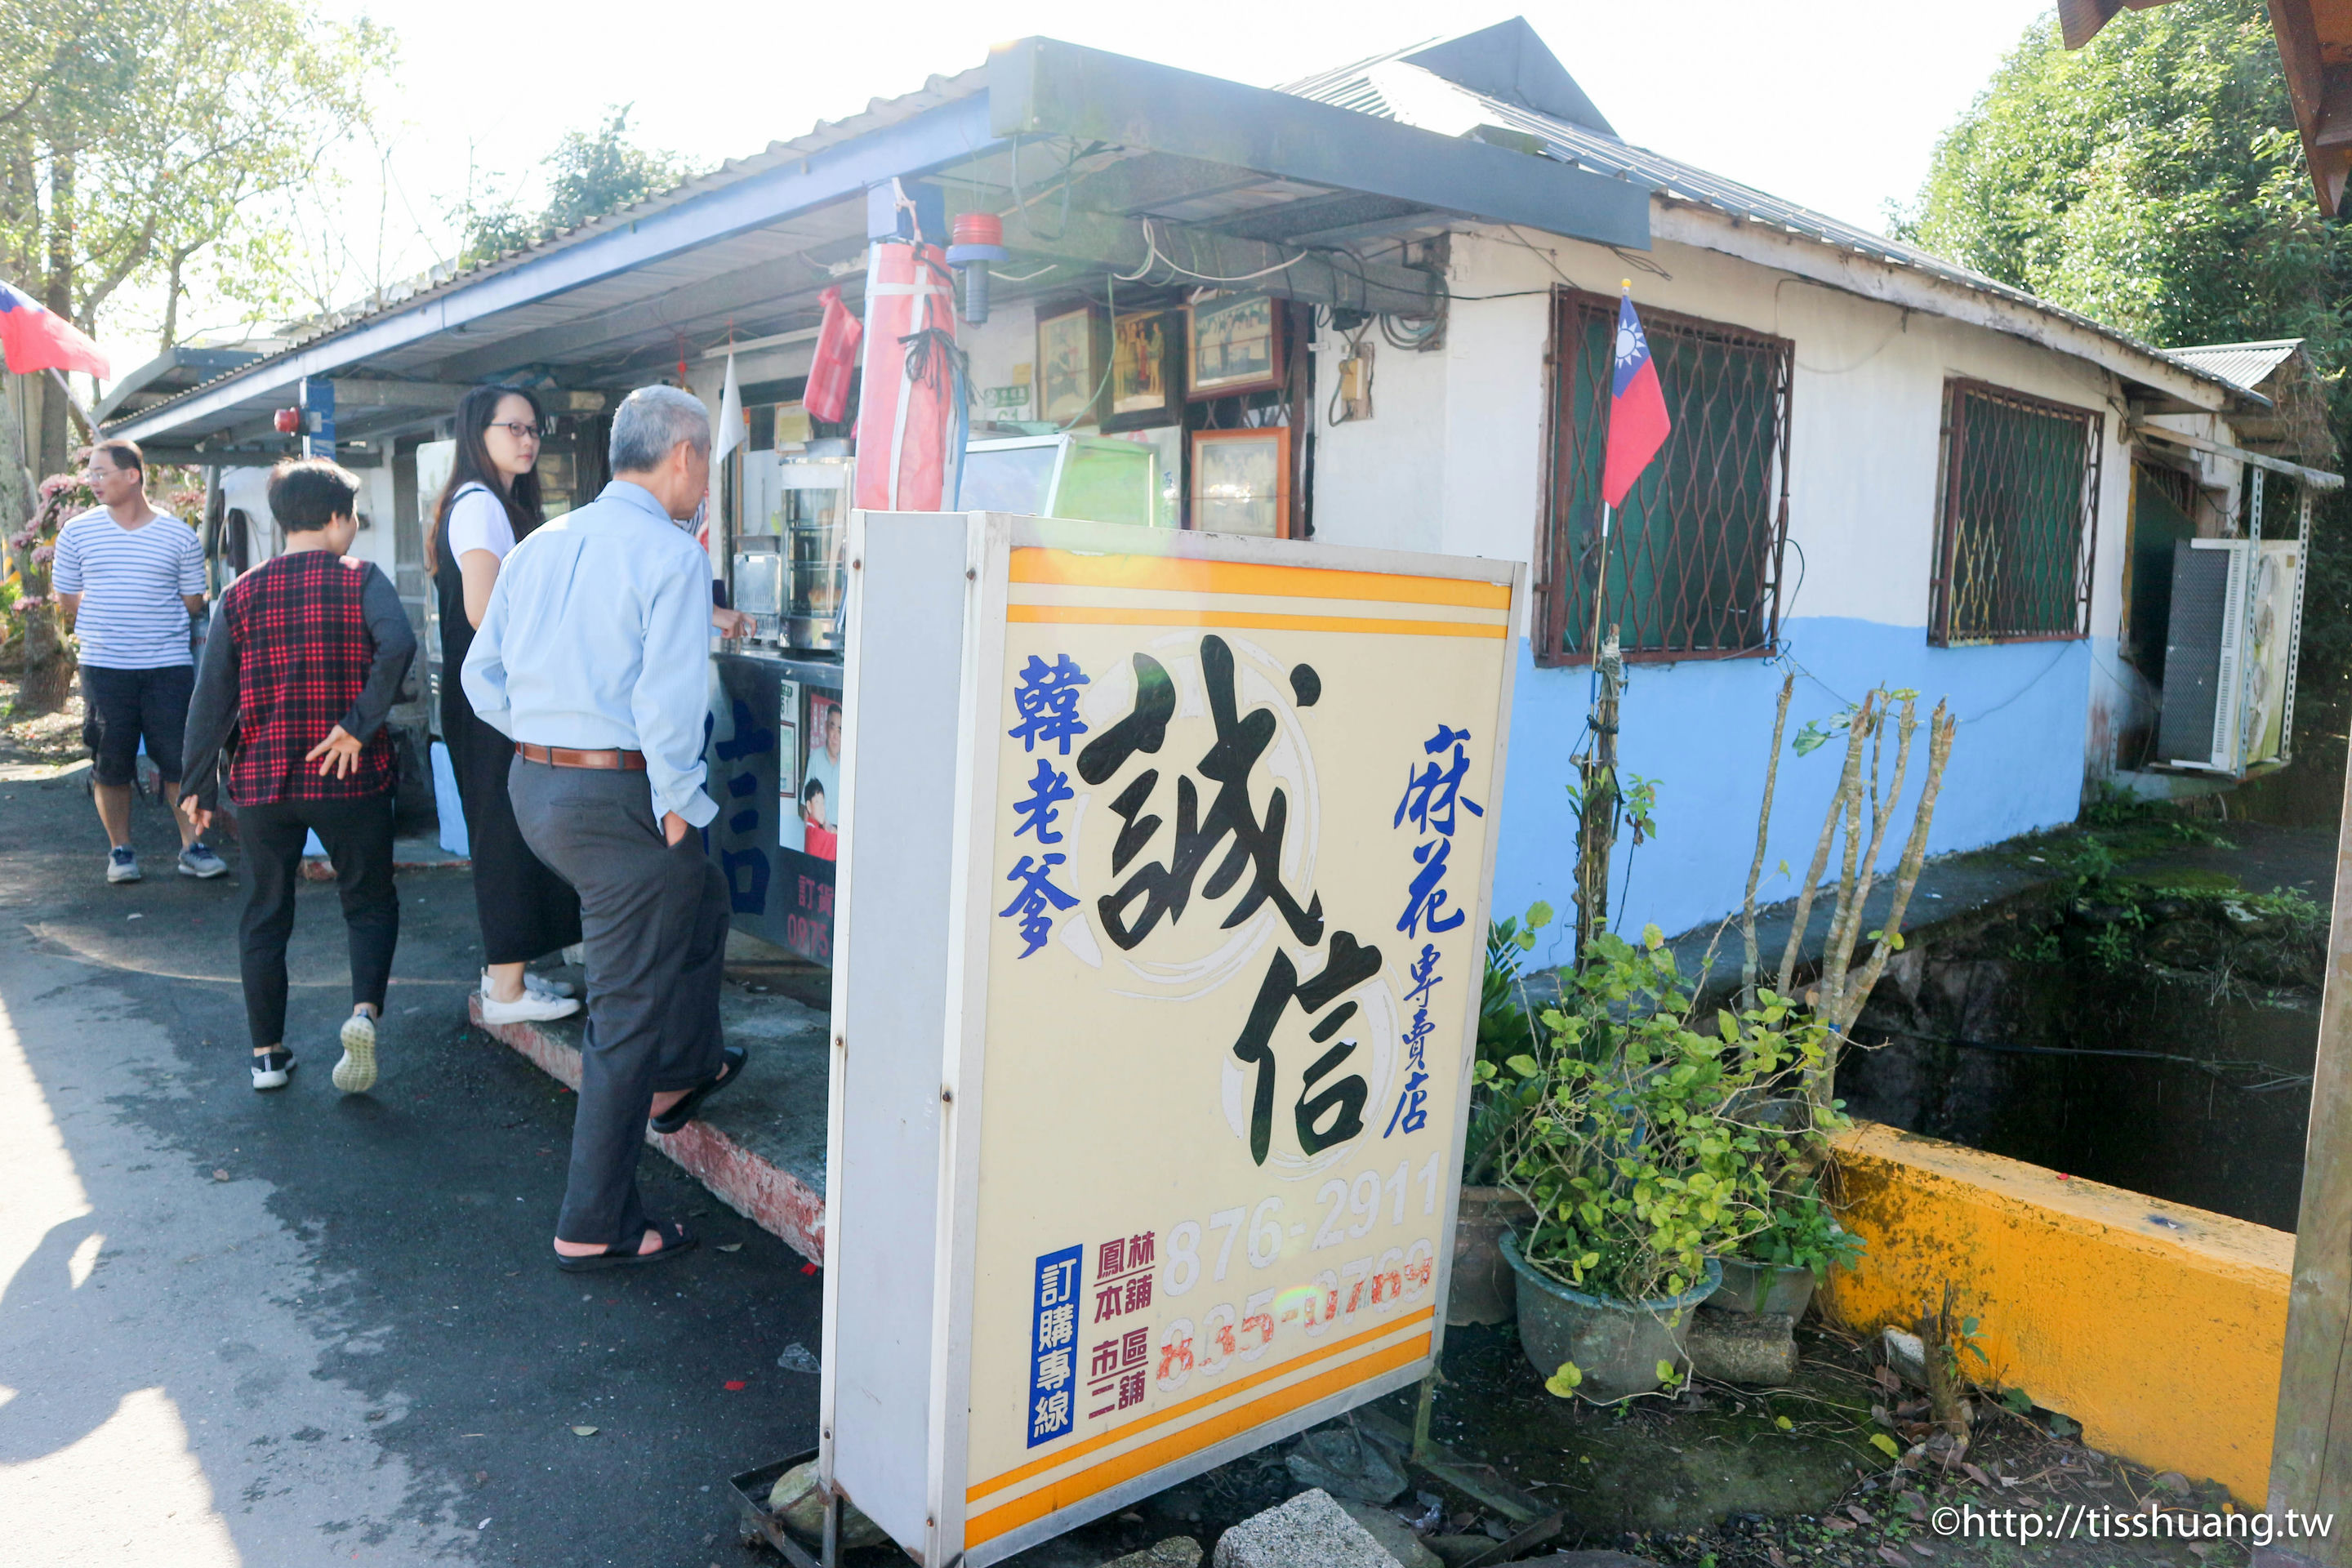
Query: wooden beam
x=2311, y=1453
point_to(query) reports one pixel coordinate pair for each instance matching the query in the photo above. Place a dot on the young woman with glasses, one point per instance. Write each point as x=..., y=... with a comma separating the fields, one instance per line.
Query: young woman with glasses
x=490, y=503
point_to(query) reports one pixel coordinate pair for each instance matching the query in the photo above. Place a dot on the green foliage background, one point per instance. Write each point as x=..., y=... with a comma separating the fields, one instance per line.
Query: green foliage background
x=590, y=173
x=2153, y=181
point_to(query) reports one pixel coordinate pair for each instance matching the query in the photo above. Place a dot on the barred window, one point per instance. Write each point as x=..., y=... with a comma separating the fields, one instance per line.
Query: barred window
x=1693, y=557
x=2017, y=518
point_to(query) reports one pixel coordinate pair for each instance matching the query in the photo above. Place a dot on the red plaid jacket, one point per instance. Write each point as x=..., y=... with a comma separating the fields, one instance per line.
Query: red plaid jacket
x=303, y=654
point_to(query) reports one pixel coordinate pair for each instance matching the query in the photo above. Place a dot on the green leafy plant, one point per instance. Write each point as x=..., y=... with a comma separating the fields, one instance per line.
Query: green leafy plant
x=1505, y=1029
x=1649, y=1144
x=1801, y=1229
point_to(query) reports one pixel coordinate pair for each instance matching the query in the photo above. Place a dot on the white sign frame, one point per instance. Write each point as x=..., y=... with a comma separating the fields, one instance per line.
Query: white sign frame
x=914, y=922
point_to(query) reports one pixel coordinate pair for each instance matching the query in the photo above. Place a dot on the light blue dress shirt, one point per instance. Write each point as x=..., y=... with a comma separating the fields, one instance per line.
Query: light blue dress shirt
x=598, y=634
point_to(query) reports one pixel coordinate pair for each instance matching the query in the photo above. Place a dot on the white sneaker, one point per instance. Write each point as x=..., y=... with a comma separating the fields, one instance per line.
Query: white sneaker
x=576, y=953
x=355, y=1074
x=530, y=1007
x=122, y=865
x=533, y=985
x=271, y=1070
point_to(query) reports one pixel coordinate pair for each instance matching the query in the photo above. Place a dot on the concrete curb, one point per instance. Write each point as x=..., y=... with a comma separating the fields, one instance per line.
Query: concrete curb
x=753, y=1187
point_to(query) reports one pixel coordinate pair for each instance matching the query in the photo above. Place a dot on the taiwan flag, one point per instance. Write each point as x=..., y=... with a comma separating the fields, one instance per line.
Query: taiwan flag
x=36, y=339
x=1637, y=409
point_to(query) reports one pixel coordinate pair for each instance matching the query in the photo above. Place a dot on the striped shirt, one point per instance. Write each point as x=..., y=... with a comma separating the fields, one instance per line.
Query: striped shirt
x=130, y=581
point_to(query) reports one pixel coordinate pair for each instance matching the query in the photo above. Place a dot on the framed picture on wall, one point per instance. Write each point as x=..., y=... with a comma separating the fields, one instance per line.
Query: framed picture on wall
x=1072, y=346
x=1146, y=370
x=1240, y=482
x=1233, y=345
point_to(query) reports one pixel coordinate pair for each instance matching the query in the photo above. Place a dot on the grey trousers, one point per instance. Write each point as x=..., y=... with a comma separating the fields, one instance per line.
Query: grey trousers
x=653, y=917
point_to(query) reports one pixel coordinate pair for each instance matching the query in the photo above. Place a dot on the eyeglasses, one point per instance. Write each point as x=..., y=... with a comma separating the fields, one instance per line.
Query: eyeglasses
x=521, y=429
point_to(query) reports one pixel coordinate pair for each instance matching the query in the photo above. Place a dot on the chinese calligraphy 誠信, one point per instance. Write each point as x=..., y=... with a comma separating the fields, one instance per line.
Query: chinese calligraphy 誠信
x=1224, y=1001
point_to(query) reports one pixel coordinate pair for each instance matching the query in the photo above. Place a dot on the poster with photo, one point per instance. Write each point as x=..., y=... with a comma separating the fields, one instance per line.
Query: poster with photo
x=787, y=764
x=819, y=812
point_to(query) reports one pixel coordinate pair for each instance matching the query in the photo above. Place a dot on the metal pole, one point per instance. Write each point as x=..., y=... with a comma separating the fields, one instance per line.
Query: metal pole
x=2241, y=742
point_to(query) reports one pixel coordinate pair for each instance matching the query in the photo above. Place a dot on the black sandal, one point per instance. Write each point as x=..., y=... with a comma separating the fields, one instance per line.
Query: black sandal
x=730, y=1069
x=675, y=1238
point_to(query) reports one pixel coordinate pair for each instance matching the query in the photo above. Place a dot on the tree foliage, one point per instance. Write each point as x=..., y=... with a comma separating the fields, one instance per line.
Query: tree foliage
x=589, y=174
x=2153, y=180
x=138, y=136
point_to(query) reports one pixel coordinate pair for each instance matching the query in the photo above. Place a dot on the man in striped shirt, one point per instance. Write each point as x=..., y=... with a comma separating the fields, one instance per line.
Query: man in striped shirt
x=128, y=577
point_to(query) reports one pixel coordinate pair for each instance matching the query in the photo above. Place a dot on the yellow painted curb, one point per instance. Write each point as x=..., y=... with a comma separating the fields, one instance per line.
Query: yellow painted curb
x=2159, y=1327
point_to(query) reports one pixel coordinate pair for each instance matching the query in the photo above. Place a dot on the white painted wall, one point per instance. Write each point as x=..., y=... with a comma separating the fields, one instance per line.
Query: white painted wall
x=1453, y=459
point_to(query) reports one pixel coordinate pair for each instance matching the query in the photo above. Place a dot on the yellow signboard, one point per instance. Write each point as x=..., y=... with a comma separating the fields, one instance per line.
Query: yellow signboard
x=1227, y=810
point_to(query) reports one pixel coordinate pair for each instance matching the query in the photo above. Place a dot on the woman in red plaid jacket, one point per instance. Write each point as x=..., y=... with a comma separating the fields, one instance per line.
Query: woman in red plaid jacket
x=306, y=656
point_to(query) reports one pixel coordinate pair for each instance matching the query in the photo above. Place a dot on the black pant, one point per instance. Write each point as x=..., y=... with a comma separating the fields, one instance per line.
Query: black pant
x=119, y=706
x=357, y=835
x=654, y=916
x=526, y=910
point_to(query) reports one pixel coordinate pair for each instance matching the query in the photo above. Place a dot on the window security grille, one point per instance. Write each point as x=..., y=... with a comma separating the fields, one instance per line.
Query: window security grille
x=2018, y=518
x=1694, y=552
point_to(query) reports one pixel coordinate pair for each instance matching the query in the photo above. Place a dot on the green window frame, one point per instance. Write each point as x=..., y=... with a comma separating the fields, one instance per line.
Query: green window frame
x=2017, y=510
x=1695, y=555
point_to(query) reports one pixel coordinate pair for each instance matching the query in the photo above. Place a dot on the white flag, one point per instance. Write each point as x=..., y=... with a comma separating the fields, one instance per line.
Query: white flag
x=731, y=428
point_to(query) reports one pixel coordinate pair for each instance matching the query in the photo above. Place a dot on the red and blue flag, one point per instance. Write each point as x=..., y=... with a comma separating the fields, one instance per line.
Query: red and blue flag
x=1638, y=424
x=35, y=338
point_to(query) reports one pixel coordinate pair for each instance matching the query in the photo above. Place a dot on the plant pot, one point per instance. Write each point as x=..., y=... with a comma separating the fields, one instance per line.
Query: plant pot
x=1482, y=1290
x=1753, y=1287
x=1617, y=1345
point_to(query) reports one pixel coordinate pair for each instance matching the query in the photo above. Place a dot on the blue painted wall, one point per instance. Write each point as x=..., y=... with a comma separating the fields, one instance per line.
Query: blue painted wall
x=1701, y=730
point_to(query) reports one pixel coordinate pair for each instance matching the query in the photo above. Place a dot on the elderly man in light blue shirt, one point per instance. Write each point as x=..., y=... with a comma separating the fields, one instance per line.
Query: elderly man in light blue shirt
x=592, y=657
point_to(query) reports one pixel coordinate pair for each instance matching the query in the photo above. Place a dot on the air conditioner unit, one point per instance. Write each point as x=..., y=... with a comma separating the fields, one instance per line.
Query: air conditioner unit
x=2229, y=655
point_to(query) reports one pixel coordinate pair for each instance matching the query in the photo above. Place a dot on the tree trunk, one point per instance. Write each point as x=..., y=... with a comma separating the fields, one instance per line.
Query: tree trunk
x=171, y=289
x=56, y=293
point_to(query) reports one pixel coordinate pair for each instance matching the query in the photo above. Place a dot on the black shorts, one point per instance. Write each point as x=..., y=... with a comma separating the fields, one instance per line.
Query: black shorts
x=119, y=706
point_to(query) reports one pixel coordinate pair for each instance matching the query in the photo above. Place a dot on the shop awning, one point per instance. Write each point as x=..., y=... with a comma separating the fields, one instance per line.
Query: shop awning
x=1096, y=162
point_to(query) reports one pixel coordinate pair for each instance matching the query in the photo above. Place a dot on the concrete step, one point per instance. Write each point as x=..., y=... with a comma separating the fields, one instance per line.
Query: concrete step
x=760, y=1149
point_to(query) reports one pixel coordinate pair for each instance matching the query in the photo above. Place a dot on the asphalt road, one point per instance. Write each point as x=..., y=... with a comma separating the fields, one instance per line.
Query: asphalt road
x=300, y=1328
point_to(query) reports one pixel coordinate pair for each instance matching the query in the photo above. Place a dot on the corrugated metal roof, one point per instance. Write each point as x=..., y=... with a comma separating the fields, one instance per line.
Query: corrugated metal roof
x=1374, y=86
x=2246, y=365
x=879, y=114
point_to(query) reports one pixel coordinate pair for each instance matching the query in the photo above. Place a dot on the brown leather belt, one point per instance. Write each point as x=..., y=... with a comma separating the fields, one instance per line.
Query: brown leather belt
x=565, y=757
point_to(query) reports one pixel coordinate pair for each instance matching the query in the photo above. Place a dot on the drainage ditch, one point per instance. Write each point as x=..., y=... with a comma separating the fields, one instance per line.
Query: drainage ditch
x=2150, y=1025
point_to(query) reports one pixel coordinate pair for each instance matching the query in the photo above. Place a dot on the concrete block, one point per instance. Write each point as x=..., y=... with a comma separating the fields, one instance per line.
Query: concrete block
x=2093, y=1298
x=1310, y=1530
x=1395, y=1536
x=1742, y=1347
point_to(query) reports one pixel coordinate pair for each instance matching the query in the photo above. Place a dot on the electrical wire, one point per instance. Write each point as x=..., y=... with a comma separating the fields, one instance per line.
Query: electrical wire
x=1110, y=293
x=1021, y=202
x=1022, y=277
x=1151, y=244
x=2262, y=1077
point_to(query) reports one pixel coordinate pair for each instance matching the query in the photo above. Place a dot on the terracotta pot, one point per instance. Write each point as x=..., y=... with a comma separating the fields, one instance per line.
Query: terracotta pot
x=1483, y=1289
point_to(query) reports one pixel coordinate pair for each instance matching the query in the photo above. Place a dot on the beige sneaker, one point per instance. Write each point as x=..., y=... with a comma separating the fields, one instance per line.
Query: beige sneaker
x=355, y=1074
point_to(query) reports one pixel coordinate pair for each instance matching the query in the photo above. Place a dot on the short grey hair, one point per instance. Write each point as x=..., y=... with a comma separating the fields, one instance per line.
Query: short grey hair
x=651, y=421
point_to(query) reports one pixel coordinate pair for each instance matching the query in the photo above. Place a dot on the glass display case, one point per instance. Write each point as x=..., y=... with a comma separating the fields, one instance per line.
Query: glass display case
x=790, y=538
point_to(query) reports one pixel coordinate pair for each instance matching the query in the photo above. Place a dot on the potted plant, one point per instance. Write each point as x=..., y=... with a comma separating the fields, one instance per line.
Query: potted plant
x=1483, y=1289
x=1640, y=1161
x=1777, y=1268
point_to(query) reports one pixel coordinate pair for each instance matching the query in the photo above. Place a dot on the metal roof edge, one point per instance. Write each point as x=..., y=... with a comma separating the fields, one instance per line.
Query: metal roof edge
x=825, y=135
